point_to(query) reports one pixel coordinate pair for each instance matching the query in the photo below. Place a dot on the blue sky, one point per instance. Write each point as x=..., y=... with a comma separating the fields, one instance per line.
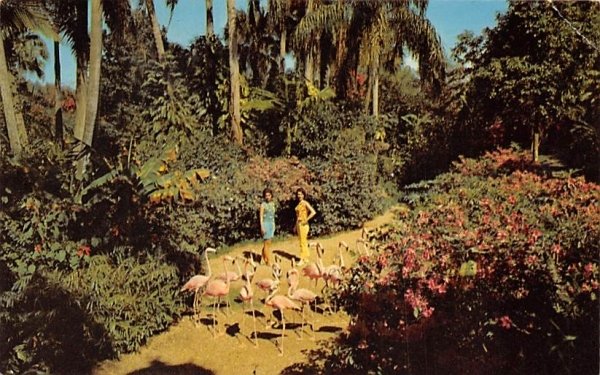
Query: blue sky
x=450, y=18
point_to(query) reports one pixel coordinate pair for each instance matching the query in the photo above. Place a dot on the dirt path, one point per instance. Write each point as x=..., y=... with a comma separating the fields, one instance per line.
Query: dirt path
x=189, y=349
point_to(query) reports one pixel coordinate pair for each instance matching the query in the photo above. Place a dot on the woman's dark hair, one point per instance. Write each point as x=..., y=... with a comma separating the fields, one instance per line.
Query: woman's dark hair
x=301, y=190
x=267, y=190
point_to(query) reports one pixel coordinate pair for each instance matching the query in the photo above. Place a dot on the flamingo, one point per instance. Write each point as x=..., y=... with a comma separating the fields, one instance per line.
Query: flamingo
x=314, y=271
x=268, y=284
x=332, y=274
x=250, y=272
x=230, y=275
x=218, y=289
x=279, y=302
x=362, y=244
x=247, y=295
x=197, y=282
x=304, y=296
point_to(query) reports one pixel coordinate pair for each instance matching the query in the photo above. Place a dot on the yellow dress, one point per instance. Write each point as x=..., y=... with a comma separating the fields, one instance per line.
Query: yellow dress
x=302, y=229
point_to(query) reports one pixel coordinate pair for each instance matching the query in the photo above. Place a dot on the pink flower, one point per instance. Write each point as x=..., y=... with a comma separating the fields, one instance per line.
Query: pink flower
x=505, y=322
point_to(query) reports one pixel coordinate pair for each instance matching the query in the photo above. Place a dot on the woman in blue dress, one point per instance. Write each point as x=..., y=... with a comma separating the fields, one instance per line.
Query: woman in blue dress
x=267, y=224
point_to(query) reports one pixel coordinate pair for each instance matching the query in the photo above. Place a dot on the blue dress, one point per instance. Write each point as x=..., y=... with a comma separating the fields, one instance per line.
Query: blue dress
x=268, y=219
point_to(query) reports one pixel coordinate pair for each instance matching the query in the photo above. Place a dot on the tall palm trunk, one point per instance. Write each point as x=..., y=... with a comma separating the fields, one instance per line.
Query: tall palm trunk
x=309, y=72
x=8, y=102
x=282, y=49
x=58, y=119
x=93, y=90
x=234, y=74
x=160, y=47
x=82, y=60
x=210, y=24
x=375, y=72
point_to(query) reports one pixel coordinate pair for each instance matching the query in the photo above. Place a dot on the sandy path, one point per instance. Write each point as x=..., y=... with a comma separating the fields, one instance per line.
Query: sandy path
x=189, y=349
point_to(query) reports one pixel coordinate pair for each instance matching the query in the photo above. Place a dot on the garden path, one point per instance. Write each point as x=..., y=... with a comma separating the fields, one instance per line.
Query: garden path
x=189, y=349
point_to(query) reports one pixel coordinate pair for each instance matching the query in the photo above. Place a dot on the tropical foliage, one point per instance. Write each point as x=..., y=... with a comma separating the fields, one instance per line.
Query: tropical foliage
x=494, y=269
x=109, y=189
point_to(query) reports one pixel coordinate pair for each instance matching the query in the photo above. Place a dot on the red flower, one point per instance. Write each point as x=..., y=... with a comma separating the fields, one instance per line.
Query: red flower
x=83, y=250
x=505, y=322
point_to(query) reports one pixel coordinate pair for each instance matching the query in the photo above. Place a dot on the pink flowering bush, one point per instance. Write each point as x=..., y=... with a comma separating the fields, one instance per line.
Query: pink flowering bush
x=494, y=270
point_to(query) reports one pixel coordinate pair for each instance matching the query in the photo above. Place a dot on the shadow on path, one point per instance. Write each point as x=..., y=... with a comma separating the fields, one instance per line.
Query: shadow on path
x=158, y=367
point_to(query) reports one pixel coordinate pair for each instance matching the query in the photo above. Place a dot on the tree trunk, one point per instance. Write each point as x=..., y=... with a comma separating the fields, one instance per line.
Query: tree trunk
x=8, y=103
x=210, y=24
x=93, y=89
x=375, y=73
x=282, y=50
x=535, y=145
x=82, y=60
x=93, y=86
x=309, y=63
x=160, y=47
x=234, y=74
x=20, y=121
x=58, y=98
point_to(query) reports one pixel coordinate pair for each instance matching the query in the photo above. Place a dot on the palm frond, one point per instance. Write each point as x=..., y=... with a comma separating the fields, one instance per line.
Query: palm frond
x=324, y=18
x=21, y=15
x=420, y=37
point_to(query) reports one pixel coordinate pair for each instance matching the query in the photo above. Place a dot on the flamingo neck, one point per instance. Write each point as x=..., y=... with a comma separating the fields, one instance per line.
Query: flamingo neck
x=341, y=258
x=207, y=263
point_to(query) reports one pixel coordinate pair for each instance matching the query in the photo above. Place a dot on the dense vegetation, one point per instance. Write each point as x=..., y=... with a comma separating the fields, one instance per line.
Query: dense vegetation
x=108, y=191
x=493, y=270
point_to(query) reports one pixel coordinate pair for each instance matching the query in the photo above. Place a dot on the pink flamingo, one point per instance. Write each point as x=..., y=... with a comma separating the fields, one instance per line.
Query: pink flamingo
x=197, y=282
x=247, y=295
x=218, y=289
x=252, y=270
x=279, y=302
x=333, y=273
x=267, y=284
x=304, y=296
x=314, y=271
x=230, y=275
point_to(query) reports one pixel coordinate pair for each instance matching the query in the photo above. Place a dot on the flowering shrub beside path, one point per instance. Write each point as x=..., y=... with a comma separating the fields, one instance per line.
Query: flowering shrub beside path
x=494, y=270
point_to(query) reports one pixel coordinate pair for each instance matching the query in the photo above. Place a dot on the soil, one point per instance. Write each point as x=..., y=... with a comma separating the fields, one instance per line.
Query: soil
x=190, y=348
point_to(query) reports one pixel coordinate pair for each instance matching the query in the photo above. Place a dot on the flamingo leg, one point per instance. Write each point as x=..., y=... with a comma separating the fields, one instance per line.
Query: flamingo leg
x=214, y=331
x=302, y=328
x=195, y=308
x=282, y=332
x=254, y=323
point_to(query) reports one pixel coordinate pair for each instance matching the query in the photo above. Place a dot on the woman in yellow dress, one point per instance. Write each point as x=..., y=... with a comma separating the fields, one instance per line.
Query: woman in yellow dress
x=304, y=212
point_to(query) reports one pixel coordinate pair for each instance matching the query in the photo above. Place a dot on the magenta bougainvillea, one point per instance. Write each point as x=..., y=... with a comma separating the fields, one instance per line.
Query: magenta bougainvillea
x=495, y=268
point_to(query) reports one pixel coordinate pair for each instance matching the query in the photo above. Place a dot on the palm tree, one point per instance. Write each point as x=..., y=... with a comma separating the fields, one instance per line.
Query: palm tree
x=160, y=46
x=88, y=54
x=17, y=16
x=278, y=12
x=234, y=76
x=370, y=32
x=210, y=24
x=93, y=89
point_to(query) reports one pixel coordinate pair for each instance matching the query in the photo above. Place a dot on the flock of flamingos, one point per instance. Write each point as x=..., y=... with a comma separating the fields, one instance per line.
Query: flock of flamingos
x=218, y=287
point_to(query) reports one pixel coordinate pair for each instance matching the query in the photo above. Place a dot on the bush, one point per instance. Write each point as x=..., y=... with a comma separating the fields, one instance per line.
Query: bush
x=67, y=321
x=495, y=270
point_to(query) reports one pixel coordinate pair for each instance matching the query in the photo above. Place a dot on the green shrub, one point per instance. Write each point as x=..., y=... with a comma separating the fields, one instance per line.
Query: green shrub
x=495, y=270
x=67, y=321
